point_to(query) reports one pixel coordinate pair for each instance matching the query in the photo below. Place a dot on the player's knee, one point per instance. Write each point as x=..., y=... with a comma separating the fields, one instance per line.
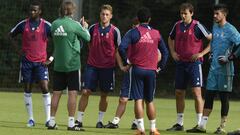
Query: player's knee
x=197, y=95
x=104, y=94
x=179, y=93
x=86, y=92
x=123, y=100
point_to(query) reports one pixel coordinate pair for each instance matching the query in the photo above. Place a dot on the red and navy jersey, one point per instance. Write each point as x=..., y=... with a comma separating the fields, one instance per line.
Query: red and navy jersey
x=34, y=38
x=102, y=45
x=134, y=38
x=186, y=42
x=19, y=28
x=200, y=31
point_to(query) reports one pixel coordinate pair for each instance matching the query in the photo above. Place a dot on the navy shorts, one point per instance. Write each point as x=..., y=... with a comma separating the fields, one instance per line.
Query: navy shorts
x=104, y=77
x=32, y=71
x=67, y=80
x=125, y=86
x=143, y=84
x=188, y=72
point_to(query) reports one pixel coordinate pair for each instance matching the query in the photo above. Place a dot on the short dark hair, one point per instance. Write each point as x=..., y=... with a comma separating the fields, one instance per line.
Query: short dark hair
x=222, y=7
x=36, y=3
x=188, y=6
x=143, y=14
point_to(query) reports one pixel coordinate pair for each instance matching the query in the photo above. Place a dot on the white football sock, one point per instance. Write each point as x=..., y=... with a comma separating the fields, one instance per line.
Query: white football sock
x=180, y=117
x=203, y=122
x=152, y=125
x=47, y=104
x=199, y=116
x=52, y=121
x=100, y=116
x=116, y=120
x=140, y=124
x=28, y=104
x=71, y=122
x=80, y=116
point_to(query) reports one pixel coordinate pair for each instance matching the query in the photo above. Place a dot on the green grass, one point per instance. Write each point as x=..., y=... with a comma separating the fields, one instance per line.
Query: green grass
x=13, y=116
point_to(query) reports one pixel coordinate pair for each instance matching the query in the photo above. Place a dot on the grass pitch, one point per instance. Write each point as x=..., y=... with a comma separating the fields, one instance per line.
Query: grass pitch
x=13, y=116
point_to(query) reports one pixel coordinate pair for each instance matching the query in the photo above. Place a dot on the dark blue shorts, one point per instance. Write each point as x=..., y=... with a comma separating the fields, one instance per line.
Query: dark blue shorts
x=188, y=72
x=32, y=71
x=143, y=84
x=125, y=87
x=104, y=77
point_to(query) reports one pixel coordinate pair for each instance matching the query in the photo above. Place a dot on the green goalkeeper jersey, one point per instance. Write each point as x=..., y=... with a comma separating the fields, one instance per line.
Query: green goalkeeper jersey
x=66, y=35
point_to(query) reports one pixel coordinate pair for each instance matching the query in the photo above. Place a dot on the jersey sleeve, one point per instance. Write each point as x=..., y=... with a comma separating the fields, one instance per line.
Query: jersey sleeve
x=164, y=51
x=122, y=49
x=172, y=34
x=82, y=32
x=18, y=29
x=48, y=28
x=201, y=31
x=117, y=36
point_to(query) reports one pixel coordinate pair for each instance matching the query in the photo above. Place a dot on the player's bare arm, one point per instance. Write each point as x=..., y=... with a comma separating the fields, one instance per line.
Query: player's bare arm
x=205, y=51
x=172, y=49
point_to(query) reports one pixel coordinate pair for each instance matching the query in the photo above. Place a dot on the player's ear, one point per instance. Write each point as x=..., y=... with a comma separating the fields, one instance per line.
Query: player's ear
x=111, y=16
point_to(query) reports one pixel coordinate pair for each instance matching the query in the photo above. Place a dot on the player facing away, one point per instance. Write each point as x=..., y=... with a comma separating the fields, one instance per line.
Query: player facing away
x=66, y=34
x=125, y=87
x=220, y=76
x=185, y=44
x=100, y=64
x=143, y=42
x=35, y=32
x=124, y=91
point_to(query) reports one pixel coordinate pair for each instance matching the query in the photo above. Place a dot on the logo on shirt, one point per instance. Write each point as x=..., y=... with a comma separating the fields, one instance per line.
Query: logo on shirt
x=60, y=31
x=146, y=38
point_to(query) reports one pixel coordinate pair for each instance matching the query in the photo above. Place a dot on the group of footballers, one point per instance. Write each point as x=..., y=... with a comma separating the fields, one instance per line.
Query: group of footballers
x=140, y=54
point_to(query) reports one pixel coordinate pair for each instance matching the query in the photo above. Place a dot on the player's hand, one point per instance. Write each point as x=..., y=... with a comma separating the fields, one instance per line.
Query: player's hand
x=195, y=57
x=46, y=63
x=158, y=70
x=175, y=56
x=223, y=59
x=125, y=68
x=84, y=23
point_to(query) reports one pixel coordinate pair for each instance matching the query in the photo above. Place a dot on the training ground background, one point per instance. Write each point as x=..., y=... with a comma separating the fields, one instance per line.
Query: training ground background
x=13, y=116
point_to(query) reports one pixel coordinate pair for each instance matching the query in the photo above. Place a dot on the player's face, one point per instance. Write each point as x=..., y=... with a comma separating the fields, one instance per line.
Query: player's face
x=218, y=16
x=105, y=16
x=186, y=16
x=34, y=12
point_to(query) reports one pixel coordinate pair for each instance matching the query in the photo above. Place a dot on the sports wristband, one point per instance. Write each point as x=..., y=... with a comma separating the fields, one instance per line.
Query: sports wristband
x=51, y=58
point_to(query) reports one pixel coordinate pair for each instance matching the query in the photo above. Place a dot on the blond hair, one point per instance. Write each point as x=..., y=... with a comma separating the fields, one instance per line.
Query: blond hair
x=106, y=7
